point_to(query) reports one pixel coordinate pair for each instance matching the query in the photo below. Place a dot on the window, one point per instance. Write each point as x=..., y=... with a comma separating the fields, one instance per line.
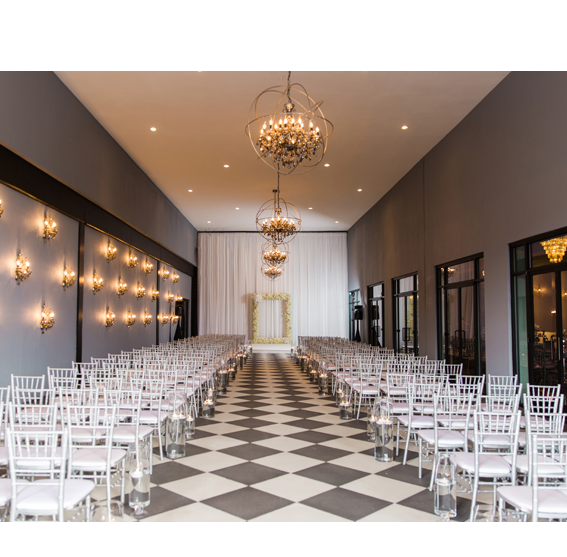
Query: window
x=406, y=298
x=376, y=314
x=539, y=308
x=460, y=314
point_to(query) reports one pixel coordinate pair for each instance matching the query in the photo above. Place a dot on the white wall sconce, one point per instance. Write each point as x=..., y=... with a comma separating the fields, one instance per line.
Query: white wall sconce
x=130, y=318
x=132, y=260
x=109, y=318
x=47, y=318
x=23, y=269
x=49, y=229
x=68, y=277
x=98, y=283
x=122, y=287
x=110, y=251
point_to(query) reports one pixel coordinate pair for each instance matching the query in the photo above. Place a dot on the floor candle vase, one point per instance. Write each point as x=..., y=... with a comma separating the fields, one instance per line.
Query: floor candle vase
x=190, y=425
x=222, y=381
x=384, y=436
x=445, y=487
x=371, y=426
x=345, y=408
x=139, y=456
x=323, y=384
x=208, y=410
x=338, y=395
x=175, y=426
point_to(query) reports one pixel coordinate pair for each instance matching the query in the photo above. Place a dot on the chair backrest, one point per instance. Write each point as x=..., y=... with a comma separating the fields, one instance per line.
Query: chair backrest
x=33, y=396
x=452, y=412
x=36, y=382
x=496, y=430
x=543, y=390
x=32, y=417
x=450, y=369
x=542, y=404
x=63, y=377
x=500, y=384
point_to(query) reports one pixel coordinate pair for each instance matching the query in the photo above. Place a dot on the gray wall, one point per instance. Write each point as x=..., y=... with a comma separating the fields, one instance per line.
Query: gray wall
x=24, y=350
x=41, y=120
x=498, y=177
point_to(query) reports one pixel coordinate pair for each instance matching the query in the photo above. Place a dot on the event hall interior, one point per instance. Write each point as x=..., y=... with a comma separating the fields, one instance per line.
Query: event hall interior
x=430, y=226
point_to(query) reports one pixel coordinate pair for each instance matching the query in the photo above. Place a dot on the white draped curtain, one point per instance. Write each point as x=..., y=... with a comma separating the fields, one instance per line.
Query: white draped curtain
x=315, y=276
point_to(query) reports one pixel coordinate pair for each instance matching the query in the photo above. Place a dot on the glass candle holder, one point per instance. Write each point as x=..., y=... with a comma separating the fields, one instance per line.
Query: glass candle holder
x=371, y=425
x=384, y=432
x=345, y=408
x=323, y=384
x=190, y=424
x=139, y=455
x=222, y=381
x=208, y=410
x=445, y=487
x=338, y=395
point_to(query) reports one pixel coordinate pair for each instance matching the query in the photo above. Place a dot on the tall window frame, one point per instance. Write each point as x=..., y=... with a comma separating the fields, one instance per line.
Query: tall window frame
x=353, y=300
x=376, y=320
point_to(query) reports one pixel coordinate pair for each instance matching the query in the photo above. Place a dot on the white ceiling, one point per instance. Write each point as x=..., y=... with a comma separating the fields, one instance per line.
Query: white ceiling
x=201, y=117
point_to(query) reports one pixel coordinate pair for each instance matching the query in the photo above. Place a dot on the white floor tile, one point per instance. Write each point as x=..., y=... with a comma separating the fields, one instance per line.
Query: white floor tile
x=221, y=429
x=207, y=462
x=347, y=444
x=197, y=512
x=399, y=513
x=299, y=513
x=364, y=463
x=278, y=418
x=383, y=488
x=283, y=443
x=288, y=462
x=203, y=486
x=217, y=442
x=280, y=429
x=294, y=488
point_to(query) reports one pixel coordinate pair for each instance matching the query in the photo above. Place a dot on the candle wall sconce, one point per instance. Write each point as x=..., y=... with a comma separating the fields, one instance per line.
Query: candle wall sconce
x=111, y=251
x=174, y=319
x=47, y=318
x=178, y=298
x=147, y=318
x=132, y=260
x=174, y=277
x=98, y=282
x=154, y=294
x=49, y=229
x=130, y=318
x=23, y=269
x=109, y=317
x=169, y=297
x=140, y=291
x=164, y=274
x=163, y=319
x=122, y=287
x=68, y=277
x=1, y=209
x=148, y=267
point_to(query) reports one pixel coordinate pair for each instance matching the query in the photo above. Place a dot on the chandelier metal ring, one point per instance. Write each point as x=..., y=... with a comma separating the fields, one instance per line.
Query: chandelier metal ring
x=292, y=138
x=272, y=273
x=275, y=255
x=277, y=220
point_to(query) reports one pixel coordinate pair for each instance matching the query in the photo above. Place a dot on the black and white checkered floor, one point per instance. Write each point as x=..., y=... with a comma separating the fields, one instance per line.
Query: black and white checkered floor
x=276, y=451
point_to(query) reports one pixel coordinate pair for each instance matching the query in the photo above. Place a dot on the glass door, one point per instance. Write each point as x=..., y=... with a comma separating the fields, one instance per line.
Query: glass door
x=461, y=314
x=353, y=300
x=406, y=315
x=376, y=312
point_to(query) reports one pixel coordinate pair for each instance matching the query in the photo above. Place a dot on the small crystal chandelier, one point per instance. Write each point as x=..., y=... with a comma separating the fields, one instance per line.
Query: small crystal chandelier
x=174, y=277
x=98, y=282
x=109, y=318
x=132, y=260
x=148, y=267
x=169, y=297
x=130, y=318
x=293, y=135
x=163, y=319
x=272, y=273
x=146, y=318
x=278, y=221
x=555, y=248
x=122, y=287
x=154, y=294
x=140, y=291
x=164, y=274
x=274, y=255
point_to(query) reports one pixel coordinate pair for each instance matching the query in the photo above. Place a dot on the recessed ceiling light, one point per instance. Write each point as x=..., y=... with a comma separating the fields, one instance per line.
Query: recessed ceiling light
x=153, y=129
x=311, y=208
x=327, y=164
x=238, y=208
x=190, y=191
x=404, y=127
x=208, y=222
x=226, y=166
x=336, y=222
x=359, y=189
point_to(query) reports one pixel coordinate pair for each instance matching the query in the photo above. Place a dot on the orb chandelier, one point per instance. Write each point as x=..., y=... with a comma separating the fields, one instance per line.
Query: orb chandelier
x=555, y=248
x=272, y=273
x=292, y=137
x=278, y=221
x=274, y=255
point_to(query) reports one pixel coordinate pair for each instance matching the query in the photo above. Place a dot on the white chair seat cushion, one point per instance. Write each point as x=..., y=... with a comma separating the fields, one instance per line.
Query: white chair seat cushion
x=446, y=438
x=456, y=422
x=369, y=390
x=492, y=440
x=41, y=496
x=417, y=421
x=127, y=434
x=152, y=416
x=489, y=465
x=545, y=465
x=400, y=407
x=550, y=501
x=3, y=456
x=5, y=492
x=95, y=458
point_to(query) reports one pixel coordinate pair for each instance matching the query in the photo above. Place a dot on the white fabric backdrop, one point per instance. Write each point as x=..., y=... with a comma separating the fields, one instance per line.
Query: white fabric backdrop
x=270, y=319
x=315, y=276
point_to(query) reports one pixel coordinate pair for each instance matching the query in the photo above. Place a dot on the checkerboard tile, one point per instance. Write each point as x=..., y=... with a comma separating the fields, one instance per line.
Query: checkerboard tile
x=277, y=451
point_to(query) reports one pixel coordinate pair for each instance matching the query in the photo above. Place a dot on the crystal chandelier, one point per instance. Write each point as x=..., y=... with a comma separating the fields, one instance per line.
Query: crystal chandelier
x=555, y=248
x=272, y=273
x=294, y=135
x=274, y=256
x=277, y=220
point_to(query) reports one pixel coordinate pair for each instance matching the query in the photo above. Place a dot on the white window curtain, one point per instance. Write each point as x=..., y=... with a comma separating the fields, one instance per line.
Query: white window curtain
x=315, y=276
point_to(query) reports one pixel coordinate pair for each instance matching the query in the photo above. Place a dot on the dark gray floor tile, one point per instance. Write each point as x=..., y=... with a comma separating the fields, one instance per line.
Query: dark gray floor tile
x=253, y=404
x=251, y=423
x=171, y=471
x=320, y=452
x=345, y=503
x=252, y=413
x=302, y=413
x=247, y=503
x=249, y=451
x=249, y=473
x=331, y=474
x=308, y=424
x=161, y=500
x=313, y=436
x=298, y=405
x=250, y=435
x=407, y=474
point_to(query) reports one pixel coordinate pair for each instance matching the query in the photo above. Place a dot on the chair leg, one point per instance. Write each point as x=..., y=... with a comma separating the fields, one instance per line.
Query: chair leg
x=406, y=450
x=420, y=458
x=474, y=496
x=433, y=470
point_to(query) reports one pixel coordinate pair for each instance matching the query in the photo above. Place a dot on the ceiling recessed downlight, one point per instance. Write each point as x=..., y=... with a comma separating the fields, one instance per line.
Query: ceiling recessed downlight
x=190, y=191
x=336, y=222
x=153, y=129
x=226, y=166
x=404, y=127
x=208, y=222
x=326, y=164
x=359, y=189
x=238, y=208
x=311, y=208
